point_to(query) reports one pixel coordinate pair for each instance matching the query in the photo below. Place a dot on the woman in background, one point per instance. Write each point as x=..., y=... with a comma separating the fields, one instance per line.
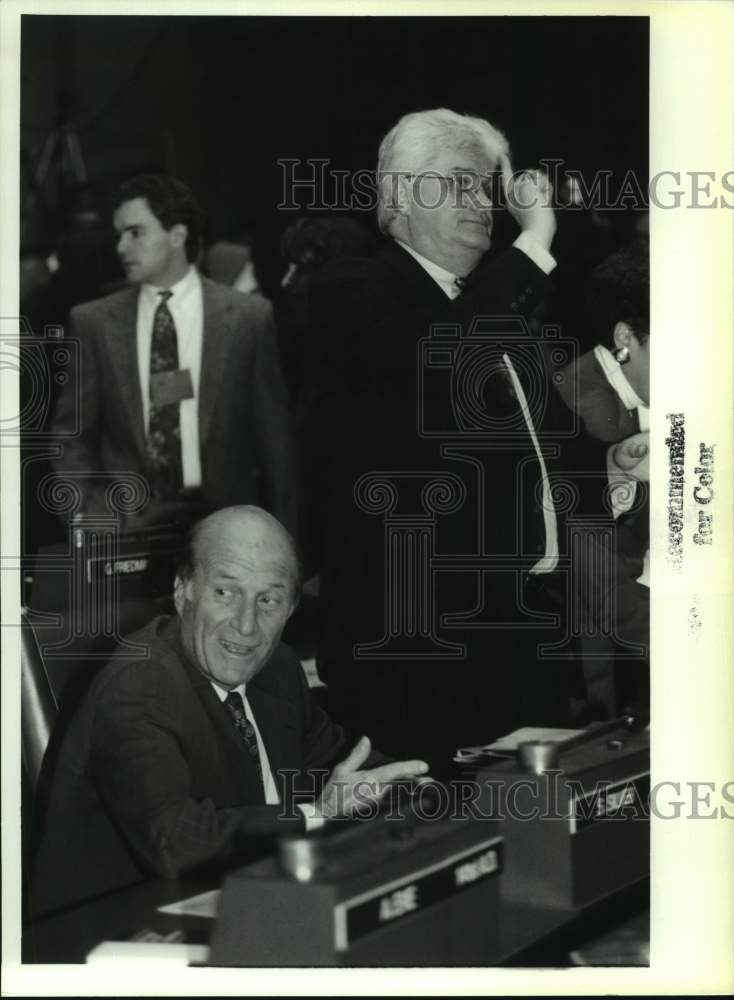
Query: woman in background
x=609, y=387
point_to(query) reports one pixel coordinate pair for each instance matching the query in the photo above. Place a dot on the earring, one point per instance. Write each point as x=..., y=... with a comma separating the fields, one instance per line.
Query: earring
x=622, y=355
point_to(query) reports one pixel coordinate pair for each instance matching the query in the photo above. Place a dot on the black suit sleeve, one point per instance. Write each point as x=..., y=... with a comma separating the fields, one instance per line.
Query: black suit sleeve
x=367, y=328
x=511, y=284
x=140, y=770
x=325, y=742
x=141, y=760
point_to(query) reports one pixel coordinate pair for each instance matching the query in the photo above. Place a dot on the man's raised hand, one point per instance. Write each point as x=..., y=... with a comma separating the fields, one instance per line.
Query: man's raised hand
x=528, y=196
x=350, y=788
x=632, y=456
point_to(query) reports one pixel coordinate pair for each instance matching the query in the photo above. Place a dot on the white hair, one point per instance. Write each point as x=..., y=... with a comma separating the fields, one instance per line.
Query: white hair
x=411, y=145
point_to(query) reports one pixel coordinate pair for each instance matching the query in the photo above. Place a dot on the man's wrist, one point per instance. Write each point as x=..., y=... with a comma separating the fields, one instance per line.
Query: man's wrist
x=537, y=249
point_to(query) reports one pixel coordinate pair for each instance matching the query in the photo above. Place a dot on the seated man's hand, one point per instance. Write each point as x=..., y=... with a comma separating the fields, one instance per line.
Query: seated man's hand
x=528, y=196
x=632, y=456
x=350, y=788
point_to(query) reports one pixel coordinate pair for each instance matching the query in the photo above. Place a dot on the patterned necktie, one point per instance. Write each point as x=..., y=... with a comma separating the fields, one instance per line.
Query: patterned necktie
x=164, y=428
x=236, y=708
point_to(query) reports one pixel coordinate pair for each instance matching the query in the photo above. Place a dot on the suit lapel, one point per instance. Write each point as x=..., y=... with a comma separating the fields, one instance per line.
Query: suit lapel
x=276, y=720
x=218, y=319
x=411, y=273
x=120, y=334
x=238, y=761
x=499, y=397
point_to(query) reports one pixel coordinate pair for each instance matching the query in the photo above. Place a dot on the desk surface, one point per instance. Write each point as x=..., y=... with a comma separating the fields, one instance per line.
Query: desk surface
x=529, y=935
x=68, y=935
x=543, y=931
x=533, y=937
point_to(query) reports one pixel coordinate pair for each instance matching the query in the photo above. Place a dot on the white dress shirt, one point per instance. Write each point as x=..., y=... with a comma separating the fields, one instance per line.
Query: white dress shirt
x=447, y=283
x=272, y=798
x=313, y=819
x=186, y=305
x=614, y=374
x=525, y=242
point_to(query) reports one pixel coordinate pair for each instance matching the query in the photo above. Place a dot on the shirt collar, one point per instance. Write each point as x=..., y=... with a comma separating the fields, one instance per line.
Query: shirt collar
x=445, y=279
x=614, y=374
x=222, y=694
x=181, y=288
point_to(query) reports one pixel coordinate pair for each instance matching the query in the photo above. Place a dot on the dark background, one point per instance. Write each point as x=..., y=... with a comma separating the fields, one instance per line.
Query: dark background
x=218, y=100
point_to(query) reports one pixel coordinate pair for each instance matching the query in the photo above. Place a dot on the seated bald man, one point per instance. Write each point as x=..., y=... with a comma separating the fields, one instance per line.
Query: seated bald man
x=185, y=759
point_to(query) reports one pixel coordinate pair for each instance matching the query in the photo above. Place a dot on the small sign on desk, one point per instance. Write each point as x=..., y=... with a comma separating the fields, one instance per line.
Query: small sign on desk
x=507, y=745
x=206, y=904
x=168, y=952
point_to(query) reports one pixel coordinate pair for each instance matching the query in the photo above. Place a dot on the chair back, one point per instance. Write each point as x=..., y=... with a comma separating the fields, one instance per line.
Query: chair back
x=39, y=709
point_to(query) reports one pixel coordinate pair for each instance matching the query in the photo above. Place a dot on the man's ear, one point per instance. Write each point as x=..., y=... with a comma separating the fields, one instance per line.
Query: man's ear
x=402, y=195
x=179, y=594
x=178, y=234
x=624, y=335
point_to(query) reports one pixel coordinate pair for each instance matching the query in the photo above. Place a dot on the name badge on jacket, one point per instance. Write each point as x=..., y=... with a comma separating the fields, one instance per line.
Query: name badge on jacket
x=171, y=387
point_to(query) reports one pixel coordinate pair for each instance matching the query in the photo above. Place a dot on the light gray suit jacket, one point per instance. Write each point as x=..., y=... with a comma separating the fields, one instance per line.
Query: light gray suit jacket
x=245, y=438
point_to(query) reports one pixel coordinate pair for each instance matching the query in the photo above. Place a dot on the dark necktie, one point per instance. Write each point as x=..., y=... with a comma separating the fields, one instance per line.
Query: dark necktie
x=164, y=427
x=236, y=708
x=460, y=283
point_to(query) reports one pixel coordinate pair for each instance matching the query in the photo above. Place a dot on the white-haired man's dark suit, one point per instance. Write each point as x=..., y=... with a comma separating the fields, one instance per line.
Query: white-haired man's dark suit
x=367, y=407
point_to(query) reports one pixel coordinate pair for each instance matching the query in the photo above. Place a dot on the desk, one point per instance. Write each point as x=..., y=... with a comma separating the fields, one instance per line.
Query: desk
x=529, y=935
x=68, y=935
x=532, y=937
x=569, y=874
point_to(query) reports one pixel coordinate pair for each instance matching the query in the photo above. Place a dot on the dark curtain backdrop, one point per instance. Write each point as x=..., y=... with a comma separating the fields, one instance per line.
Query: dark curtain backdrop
x=219, y=100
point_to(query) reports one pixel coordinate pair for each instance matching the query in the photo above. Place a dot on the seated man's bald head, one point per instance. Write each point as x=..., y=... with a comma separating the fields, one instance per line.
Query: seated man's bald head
x=244, y=524
x=235, y=592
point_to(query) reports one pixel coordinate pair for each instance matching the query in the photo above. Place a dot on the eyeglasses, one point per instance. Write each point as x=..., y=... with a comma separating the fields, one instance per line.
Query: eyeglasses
x=463, y=182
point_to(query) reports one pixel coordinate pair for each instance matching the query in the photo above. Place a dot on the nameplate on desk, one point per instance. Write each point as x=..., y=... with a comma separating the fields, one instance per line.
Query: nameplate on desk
x=626, y=799
x=386, y=904
x=128, y=566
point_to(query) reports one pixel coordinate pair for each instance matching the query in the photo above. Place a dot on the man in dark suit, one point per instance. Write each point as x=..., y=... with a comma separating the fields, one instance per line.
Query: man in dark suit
x=183, y=760
x=180, y=379
x=424, y=437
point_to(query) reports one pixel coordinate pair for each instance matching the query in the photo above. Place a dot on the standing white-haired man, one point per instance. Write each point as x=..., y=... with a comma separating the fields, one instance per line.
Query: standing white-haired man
x=427, y=632
x=434, y=192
